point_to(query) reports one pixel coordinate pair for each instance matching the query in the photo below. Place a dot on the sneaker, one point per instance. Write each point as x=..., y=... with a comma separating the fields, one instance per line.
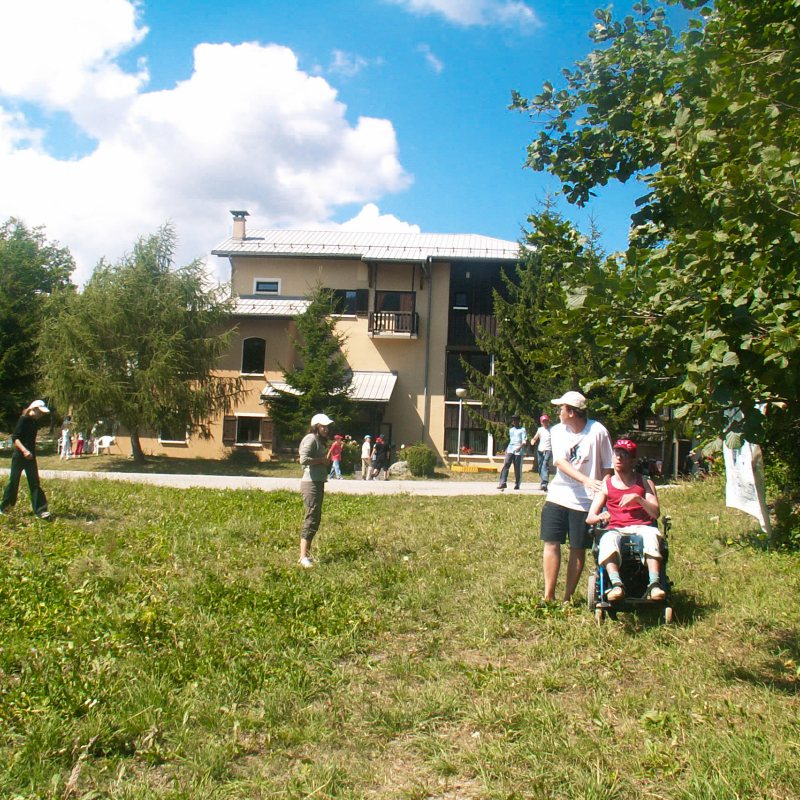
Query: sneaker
x=501, y=486
x=657, y=593
x=306, y=562
x=44, y=515
x=517, y=488
x=615, y=593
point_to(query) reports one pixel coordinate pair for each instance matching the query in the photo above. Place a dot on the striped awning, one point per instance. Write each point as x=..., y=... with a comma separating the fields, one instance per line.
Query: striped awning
x=366, y=387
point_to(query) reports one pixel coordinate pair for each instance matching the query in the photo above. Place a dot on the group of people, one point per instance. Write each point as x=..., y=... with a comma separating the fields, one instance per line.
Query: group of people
x=515, y=451
x=375, y=458
x=595, y=482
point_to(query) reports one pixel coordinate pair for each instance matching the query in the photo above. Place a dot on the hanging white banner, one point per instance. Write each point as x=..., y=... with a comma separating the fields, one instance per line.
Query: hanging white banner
x=744, y=489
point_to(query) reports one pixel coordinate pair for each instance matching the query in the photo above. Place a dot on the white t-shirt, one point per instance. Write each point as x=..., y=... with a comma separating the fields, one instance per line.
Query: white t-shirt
x=544, y=439
x=589, y=452
x=366, y=448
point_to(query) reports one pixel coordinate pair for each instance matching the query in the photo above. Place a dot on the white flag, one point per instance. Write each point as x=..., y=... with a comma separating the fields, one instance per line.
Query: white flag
x=744, y=489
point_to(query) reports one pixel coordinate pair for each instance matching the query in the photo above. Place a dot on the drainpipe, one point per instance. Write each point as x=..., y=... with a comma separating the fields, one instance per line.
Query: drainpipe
x=425, y=412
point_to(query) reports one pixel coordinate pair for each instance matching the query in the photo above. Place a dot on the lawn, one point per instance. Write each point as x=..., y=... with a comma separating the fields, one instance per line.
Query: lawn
x=159, y=643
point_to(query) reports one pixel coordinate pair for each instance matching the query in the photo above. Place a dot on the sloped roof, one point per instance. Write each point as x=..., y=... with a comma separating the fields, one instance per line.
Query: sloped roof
x=271, y=306
x=370, y=246
x=366, y=387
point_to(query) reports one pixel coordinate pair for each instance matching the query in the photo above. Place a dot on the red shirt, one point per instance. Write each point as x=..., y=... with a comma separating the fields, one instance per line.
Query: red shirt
x=336, y=451
x=632, y=514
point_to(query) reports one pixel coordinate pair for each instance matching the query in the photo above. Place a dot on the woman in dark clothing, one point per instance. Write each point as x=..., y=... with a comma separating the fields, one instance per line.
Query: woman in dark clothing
x=24, y=460
x=381, y=455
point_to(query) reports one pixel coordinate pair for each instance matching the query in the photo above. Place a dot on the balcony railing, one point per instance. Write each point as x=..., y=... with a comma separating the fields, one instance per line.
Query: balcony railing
x=401, y=324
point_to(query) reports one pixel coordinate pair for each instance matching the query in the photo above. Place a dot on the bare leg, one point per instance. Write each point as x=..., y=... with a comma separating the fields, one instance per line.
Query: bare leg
x=577, y=557
x=551, y=562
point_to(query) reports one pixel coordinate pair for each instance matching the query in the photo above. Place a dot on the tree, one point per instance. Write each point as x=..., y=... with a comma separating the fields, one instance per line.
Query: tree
x=534, y=348
x=321, y=381
x=31, y=268
x=702, y=311
x=140, y=344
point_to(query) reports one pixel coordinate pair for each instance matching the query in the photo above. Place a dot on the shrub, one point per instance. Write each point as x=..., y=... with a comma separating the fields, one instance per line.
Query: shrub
x=351, y=456
x=421, y=459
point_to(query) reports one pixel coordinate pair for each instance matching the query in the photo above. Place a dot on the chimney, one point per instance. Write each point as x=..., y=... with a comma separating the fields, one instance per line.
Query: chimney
x=239, y=224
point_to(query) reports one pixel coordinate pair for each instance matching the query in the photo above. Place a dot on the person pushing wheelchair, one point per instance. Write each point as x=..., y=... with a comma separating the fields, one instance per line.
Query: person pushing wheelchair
x=631, y=506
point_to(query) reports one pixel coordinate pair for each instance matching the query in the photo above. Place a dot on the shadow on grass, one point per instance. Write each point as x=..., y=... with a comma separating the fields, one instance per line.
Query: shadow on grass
x=779, y=673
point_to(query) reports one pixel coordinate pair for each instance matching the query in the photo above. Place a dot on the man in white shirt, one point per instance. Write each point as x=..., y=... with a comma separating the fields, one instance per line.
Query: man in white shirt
x=583, y=457
x=544, y=451
x=366, y=459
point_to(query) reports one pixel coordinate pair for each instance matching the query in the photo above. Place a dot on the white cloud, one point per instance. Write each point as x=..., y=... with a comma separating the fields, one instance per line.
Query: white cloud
x=371, y=219
x=346, y=63
x=432, y=60
x=504, y=13
x=248, y=129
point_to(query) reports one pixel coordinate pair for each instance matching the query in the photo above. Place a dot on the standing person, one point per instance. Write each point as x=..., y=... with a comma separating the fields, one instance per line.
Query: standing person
x=544, y=451
x=366, y=459
x=66, y=440
x=79, y=445
x=24, y=460
x=582, y=456
x=517, y=438
x=380, y=458
x=335, y=456
x=631, y=507
x=314, y=460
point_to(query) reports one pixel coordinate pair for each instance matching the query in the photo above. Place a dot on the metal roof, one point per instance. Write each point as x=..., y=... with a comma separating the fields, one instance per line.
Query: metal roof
x=370, y=246
x=366, y=387
x=271, y=306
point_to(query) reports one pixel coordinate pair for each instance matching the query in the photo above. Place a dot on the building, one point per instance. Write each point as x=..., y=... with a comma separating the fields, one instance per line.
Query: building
x=410, y=307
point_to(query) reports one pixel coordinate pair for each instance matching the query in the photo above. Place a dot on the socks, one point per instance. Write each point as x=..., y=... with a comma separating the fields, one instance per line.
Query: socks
x=655, y=578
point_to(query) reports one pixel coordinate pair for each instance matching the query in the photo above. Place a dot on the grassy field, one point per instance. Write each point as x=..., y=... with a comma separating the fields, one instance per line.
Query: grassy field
x=161, y=643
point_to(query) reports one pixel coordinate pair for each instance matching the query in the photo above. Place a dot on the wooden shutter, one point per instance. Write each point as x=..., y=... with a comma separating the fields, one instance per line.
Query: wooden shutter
x=229, y=431
x=266, y=432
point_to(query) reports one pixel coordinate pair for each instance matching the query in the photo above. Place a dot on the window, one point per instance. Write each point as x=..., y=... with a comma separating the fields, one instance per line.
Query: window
x=395, y=301
x=460, y=301
x=173, y=429
x=457, y=375
x=247, y=430
x=254, y=351
x=350, y=301
x=267, y=286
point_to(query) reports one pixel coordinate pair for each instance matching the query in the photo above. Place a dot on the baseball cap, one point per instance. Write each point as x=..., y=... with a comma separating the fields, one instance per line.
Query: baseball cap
x=337, y=436
x=627, y=445
x=321, y=419
x=543, y=418
x=574, y=399
x=367, y=436
x=40, y=404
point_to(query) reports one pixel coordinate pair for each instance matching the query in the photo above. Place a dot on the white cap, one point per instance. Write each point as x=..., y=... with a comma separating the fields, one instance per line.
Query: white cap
x=321, y=419
x=367, y=436
x=39, y=404
x=574, y=399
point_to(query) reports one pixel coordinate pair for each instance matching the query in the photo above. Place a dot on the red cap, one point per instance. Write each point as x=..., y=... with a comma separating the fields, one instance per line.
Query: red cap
x=337, y=436
x=627, y=445
x=543, y=418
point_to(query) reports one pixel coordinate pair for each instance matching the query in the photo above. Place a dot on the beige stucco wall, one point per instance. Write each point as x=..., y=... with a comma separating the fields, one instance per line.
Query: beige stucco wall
x=404, y=356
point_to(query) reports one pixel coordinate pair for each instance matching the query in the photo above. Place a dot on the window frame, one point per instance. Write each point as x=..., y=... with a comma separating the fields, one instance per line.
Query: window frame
x=264, y=360
x=276, y=281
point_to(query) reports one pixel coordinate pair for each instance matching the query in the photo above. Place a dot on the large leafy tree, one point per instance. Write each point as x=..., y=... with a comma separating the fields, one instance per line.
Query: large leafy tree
x=702, y=312
x=537, y=348
x=31, y=269
x=140, y=344
x=320, y=380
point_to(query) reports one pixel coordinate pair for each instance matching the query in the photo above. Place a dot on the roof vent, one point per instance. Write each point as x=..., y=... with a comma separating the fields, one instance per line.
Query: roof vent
x=240, y=224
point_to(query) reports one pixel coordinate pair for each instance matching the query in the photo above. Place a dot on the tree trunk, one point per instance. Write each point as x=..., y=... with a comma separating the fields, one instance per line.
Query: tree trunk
x=136, y=447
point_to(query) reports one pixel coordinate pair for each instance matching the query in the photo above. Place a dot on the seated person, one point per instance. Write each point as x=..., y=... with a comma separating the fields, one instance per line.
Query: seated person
x=631, y=507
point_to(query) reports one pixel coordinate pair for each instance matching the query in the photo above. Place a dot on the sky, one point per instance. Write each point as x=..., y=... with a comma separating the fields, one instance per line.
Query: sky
x=117, y=116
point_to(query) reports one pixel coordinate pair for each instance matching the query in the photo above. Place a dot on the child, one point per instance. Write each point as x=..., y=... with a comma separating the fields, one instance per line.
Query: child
x=631, y=507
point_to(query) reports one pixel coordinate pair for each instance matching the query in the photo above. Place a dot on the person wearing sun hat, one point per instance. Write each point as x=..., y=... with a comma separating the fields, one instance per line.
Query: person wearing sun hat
x=366, y=459
x=314, y=461
x=631, y=506
x=543, y=452
x=24, y=460
x=582, y=457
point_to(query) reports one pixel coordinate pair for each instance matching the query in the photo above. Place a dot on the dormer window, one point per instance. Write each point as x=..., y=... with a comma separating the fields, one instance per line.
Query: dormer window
x=267, y=286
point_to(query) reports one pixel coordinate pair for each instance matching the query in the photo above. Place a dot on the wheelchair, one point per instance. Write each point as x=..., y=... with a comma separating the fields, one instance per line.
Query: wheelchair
x=634, y=573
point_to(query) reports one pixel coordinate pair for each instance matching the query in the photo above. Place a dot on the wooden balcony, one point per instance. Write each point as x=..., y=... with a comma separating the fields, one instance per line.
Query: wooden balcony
x=464, y=327
x=393, y=325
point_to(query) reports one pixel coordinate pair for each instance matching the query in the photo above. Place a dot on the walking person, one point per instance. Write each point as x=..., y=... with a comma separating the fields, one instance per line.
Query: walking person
x=314, y=460
x=517, y=438
x=366, y=459
x=335, y=456
x=582, y=456
x=544, y=452
x=23, y=459
x=380, y=458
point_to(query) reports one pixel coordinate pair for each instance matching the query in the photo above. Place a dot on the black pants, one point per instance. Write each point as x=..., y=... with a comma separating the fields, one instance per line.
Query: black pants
x=20, y=464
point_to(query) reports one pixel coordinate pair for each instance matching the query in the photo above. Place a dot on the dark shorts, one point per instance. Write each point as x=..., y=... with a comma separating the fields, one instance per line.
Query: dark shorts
x=558, y=522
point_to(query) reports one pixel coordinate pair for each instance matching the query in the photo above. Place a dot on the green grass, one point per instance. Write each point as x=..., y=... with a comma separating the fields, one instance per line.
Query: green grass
x=160, y=643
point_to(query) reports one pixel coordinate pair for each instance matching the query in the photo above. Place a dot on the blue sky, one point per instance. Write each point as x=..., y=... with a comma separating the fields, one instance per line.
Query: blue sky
x=116, y=116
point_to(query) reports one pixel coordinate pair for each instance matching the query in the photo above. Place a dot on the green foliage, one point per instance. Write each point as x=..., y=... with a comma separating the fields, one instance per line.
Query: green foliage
x=140, y=344
x=540, y=348
x=321, y=379
x=31, y=268
x=351, y=457
x=702, y=312
x=421, y=459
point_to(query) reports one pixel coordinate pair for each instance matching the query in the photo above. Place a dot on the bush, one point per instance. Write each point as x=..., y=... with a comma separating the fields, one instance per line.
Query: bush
x=351, y=457
x=421, y=459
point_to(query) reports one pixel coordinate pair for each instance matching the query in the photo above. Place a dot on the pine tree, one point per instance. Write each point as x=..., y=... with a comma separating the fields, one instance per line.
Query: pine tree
x=320, y=383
